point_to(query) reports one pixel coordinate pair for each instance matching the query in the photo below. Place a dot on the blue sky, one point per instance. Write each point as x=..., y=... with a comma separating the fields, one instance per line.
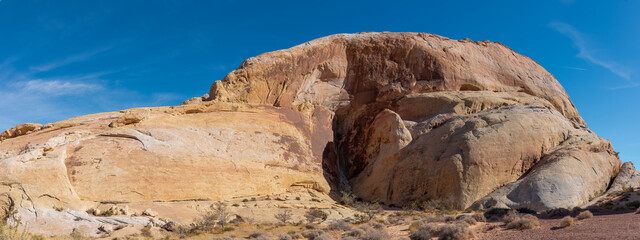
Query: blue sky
x=60, y=59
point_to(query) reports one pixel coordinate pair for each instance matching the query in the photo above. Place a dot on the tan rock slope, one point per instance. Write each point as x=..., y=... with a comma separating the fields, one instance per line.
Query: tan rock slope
x=393, y=117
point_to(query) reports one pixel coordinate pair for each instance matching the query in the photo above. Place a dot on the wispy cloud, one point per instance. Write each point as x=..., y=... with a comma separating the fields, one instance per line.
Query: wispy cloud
x=587, y=53
x=57, y=87
x=576, y=68
x=29, y=96
x=69, y=60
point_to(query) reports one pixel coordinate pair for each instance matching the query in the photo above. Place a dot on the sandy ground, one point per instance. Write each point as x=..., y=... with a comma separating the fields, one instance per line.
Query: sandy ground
x=612, y=225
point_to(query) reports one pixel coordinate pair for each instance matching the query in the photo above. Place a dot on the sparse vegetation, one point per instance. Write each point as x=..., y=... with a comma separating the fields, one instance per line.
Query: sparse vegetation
x=347, y=198
x=316, y=235
x=367, y=212
x=566, y=222
x=339, y=225
x=440, y=218
x=108, y=213
x=459, y=231
x=218, y=214
x=284, y=237
x=584, y=215
x=420, y=235
x=146, y=231
x=471, y=219
x=522, y=222
x=496, y=214
x=315, y=214
x=12, y=233
x=284, y=216
x=557, y=213
x=258, y=236
x=374, y=233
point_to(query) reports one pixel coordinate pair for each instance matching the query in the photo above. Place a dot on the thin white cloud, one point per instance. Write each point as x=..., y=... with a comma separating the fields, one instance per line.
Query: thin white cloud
x=57, y=87
x=69, y=60
x=576, y=68
x=587, y=53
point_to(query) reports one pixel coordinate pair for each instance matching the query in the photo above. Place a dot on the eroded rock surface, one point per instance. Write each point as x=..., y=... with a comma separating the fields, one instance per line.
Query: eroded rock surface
x=421, y=117
x=393, y=117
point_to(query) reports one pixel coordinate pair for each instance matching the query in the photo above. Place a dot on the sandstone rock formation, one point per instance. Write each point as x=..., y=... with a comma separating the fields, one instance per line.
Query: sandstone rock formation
x=421, y=117
x=393, y=117
x=19, y=130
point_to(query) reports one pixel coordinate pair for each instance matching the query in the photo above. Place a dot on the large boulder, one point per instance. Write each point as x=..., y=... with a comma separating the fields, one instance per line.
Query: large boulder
x=393, y=117
x=421, y=117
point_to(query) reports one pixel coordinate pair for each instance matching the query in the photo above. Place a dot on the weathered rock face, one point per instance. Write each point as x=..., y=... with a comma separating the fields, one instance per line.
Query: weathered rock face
x=421, y=117
x=19, y=130
x=394, y=117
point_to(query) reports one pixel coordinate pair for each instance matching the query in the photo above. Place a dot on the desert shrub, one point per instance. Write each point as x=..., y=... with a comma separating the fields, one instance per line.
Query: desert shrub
x=371, y=233
x=256, y=235
x=228, y=229
x=339, y=225
x=557, y=213
x=245, y=200
x=12, y=233
x=285, y=237
x=432, y=205
x=523, y=222
x=566, y=222
x=495, y=214
x=584, y=215
x=347, y=199
x=479, y=217
x=458, y=231
x=434, y=228
x=298, y=198
x=218, y=213
x=471, y=219
x=633, y=205
x=375, y=225
x=146, y=231
x=314, y=214
x=414, y=227
x=440, y=218
x=420, y=235
x=361, y=218
x=367, y=211
x=108, y=213
x=284, y=216
x=510, y=217
x=395, y=220
x=316, y=235
x=355, y=233
x=413, y=206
